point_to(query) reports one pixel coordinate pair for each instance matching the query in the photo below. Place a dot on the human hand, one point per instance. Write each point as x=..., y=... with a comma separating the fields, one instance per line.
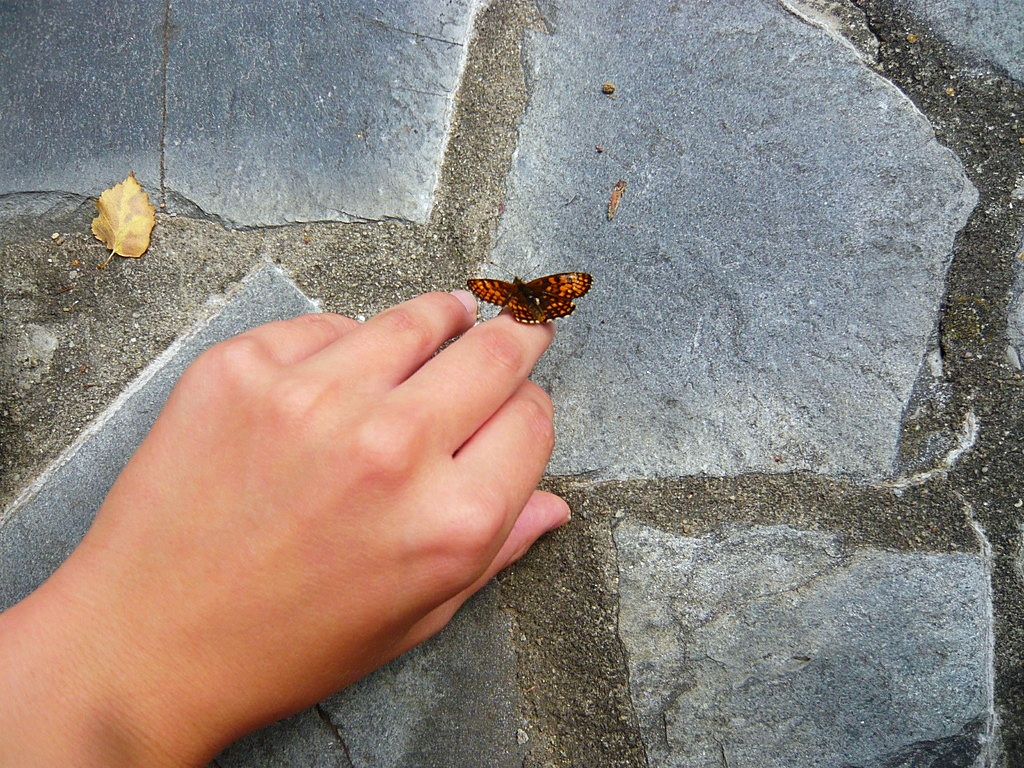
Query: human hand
x=316, y=497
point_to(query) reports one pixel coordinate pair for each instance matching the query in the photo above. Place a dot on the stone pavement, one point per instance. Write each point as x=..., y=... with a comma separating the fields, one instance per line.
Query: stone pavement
x=790, y=413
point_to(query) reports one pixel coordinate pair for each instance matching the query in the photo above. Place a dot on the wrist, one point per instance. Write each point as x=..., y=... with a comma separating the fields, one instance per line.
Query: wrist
x=71, y=692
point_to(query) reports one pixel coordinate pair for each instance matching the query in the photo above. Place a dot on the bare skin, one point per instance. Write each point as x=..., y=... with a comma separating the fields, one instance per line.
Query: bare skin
x=317, y=497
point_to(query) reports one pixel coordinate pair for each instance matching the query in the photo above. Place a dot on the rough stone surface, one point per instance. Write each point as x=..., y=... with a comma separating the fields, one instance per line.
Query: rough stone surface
x=991, y=31
x=41, y=528
x=766, y=293
x=307, y=739
x=316, y=112
x=777, y=647
x=1015, y=312
x=446, y=703
x=66, y=124
x=442, y=705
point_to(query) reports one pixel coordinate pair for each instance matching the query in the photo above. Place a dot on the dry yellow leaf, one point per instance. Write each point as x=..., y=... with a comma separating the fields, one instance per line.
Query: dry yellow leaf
x=125, y=219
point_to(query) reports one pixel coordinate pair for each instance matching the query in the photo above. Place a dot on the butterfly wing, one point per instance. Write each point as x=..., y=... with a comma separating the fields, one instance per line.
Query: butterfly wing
x=536, y=301
x=491, y=291
x=558, y=308
x=526, y=310
x=538, y=308
x=564, y=285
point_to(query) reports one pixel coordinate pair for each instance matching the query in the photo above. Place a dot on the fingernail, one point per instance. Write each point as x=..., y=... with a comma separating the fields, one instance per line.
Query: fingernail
x=467, y=299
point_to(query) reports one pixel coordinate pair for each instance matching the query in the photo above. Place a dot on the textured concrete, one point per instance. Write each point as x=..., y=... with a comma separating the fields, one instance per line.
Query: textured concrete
x=40, y=529
x=768, y=289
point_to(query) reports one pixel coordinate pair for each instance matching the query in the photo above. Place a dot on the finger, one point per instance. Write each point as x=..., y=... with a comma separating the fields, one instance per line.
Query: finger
x=287, y=342
x=543, y=513
x=478, y=373
x=506, y=457
x=390, y=346
x=521, y=427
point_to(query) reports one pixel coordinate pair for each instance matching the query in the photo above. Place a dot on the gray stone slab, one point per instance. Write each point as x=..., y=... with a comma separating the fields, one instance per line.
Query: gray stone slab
x=41, y=528
x=765, y=296
x=312, y=111
x=777, y=647
x=306, y=740
x=80, y=94
x=991, y=31
x=271, y=114
x=451, y=702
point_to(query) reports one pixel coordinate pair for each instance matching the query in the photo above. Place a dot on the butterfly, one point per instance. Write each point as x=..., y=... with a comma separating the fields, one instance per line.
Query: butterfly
x=536, y=301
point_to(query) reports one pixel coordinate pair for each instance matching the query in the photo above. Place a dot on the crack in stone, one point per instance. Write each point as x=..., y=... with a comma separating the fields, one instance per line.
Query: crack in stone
x=420, y=91
x=326, y=718
x=724, y=754
x=966, y=439
x=392, y=28
x=165, y=57
x=990, y=751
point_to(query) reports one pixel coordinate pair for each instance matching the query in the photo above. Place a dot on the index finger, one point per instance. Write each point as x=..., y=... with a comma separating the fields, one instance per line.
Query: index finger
x=473, y=377
x=388, y=347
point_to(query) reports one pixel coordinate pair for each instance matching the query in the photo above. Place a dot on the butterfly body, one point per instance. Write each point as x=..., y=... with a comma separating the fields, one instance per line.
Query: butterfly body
x=534, y=301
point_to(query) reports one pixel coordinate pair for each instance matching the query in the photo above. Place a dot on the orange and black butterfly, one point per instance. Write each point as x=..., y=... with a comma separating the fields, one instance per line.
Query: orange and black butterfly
x=536, y=301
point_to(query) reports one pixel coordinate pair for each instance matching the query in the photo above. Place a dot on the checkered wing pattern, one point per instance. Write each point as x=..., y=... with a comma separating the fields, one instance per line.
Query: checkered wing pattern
x=565, y=285
x=491, y=291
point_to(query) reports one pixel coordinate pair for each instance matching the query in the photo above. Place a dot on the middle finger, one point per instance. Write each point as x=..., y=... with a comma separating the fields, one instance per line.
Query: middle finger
x=473, y=377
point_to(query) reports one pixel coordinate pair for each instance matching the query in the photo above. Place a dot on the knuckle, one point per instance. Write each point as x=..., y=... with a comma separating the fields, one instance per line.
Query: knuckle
x=467, y=530
x=538, y=415
x=387, y=447
x=476, y=523
x=324, y=324
x=406, y=324
x=481, y=534
x=228, y=368
x=237, y=355
x=225, y=382
x=295, y=402
x=504, y=351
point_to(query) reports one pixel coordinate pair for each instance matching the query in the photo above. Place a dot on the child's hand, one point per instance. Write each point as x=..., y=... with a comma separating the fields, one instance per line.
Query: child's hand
x=317, y=497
